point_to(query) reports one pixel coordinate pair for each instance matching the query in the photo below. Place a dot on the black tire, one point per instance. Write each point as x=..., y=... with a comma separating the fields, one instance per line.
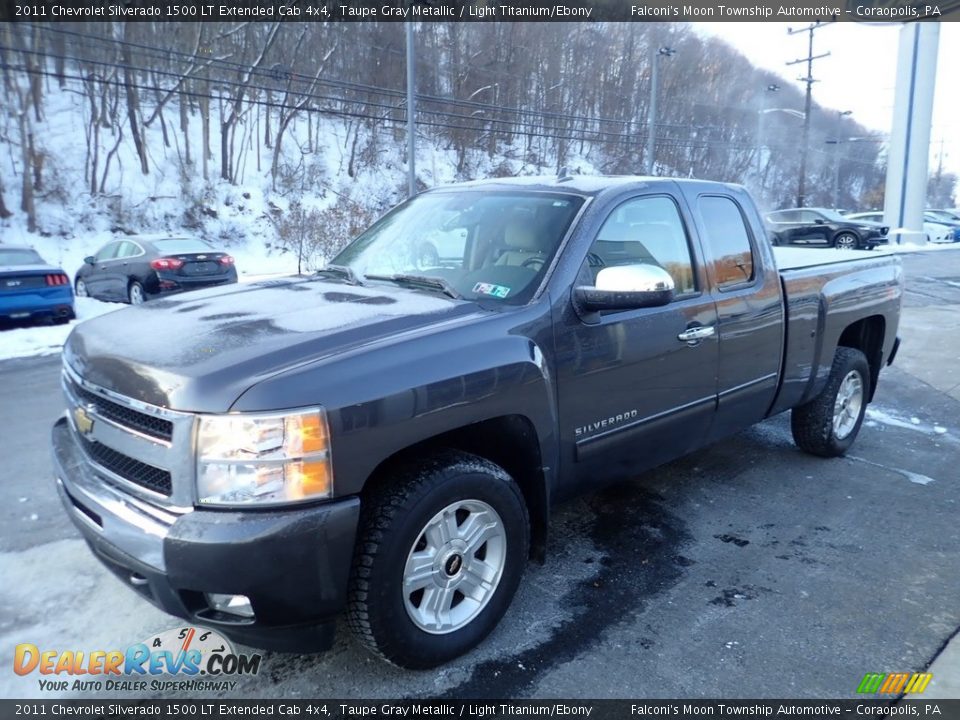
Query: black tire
x=847, y=241
x=812, y=424
x=392, y=519
x=136, y=295
x=80, y=287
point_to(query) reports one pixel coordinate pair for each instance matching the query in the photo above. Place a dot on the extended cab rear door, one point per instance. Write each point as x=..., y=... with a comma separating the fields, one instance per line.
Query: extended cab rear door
x=633, y=390
x=745, y=285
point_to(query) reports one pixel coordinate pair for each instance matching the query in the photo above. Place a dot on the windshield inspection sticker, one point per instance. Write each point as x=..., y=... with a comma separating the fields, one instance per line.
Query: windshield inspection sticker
x=497, y=291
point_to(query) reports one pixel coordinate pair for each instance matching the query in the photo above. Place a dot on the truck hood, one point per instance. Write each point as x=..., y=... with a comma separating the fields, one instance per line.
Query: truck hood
x=199, y=352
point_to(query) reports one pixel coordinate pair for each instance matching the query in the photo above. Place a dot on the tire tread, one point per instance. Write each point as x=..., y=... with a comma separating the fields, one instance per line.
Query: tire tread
x=812, y=423
x=407, y=483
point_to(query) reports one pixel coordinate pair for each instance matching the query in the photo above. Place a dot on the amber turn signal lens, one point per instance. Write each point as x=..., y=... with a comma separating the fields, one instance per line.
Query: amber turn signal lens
x=312, y=478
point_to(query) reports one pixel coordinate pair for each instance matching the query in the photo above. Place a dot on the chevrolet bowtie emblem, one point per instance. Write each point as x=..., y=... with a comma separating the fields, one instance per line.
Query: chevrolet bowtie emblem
x=83, y=421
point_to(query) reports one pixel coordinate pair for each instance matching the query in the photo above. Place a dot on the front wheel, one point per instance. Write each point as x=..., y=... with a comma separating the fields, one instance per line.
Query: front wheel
x=828, y=424
x=846, y=241
x=80, y=288
x=440, y=553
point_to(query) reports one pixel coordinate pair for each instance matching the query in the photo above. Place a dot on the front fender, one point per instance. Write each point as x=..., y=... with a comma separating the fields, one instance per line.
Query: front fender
x=381, y=401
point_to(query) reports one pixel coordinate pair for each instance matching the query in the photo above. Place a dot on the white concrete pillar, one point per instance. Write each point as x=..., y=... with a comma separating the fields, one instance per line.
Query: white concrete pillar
x=909, y=153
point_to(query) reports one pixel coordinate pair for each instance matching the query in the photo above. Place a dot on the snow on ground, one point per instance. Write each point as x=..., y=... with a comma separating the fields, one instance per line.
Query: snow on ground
x=40, y=340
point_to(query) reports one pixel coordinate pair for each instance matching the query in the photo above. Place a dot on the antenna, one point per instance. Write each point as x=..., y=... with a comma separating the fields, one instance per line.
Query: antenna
x=563, y=174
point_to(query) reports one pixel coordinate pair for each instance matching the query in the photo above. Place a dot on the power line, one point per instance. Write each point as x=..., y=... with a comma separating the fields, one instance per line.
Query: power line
x=667, y=142
x=513, y=126
x=163, y=53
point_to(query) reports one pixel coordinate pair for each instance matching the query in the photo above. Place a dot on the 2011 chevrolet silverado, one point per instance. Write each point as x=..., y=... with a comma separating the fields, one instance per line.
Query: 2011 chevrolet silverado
x=388, y=436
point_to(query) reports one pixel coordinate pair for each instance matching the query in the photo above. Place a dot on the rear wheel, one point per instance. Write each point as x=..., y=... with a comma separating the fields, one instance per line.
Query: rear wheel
x=846, y=241
x=828, y=424
x=440, y=553
x=136, y=294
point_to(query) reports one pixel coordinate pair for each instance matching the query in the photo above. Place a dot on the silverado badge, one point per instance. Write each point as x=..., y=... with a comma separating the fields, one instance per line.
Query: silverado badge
x=83, y=421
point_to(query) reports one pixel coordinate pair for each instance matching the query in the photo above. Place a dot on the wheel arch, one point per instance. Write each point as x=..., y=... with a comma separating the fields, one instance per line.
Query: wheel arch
x=510, y=441
x=867, y=336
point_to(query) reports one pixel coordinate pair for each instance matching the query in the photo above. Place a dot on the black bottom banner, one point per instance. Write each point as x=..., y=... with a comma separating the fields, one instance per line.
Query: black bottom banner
x=474, y=709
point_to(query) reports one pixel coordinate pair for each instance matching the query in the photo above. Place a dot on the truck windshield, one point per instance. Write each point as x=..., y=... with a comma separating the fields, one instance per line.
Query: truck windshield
x=483, y=245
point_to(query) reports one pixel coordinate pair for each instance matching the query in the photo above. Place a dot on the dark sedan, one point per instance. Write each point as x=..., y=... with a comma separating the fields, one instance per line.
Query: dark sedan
x=31, y=288
x=137, y=269
x=821, y=227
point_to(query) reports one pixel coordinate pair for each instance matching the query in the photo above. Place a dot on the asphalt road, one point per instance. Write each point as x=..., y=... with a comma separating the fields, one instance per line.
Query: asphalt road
x=745, y=570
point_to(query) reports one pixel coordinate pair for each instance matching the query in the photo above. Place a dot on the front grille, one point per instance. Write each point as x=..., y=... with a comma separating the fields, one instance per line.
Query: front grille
x=128, y=417
x=134, y=471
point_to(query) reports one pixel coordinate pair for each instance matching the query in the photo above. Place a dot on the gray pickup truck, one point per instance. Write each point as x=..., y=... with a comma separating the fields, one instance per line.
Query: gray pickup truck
x=387, y=437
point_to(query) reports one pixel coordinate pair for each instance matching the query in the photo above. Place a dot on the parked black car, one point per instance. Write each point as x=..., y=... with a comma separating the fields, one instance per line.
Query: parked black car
x=821, y=227
x=136, y=269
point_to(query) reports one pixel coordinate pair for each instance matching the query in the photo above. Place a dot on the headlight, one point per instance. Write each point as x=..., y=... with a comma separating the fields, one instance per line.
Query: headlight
x=269, y=459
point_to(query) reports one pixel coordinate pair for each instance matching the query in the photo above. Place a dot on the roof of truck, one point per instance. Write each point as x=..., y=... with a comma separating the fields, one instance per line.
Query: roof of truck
x=580, y=184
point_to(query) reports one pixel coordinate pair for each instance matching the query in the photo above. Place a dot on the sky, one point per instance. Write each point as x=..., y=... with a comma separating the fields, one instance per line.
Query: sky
x=860, y=73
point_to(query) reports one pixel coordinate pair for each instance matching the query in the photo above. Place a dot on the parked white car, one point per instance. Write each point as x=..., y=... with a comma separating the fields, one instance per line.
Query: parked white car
x=935, y=232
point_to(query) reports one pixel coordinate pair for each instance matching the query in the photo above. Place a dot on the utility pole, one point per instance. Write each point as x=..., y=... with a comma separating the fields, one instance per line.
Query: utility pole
x=411, y=115
x=652, y=108
x=809, y=80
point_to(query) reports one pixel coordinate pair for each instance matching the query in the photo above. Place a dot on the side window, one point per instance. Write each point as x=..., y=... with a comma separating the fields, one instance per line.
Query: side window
x=128, y=249
x=808, y=218
x=645, y=230
x=726, y=234
x=108, y=252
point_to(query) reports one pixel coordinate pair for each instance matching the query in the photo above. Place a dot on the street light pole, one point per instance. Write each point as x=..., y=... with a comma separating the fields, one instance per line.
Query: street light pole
x=771, y=88
x=652, y=108
x=411, y=116
x=836, y=160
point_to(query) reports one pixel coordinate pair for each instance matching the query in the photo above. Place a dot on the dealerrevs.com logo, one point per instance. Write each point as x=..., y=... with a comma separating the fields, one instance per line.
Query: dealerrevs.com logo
x=196, y=658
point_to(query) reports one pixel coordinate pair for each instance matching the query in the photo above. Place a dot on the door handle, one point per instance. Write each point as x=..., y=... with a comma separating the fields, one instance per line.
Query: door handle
x=698, y=333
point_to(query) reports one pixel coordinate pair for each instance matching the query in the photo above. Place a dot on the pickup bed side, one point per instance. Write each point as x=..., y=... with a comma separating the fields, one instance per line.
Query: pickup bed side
x=825, y=309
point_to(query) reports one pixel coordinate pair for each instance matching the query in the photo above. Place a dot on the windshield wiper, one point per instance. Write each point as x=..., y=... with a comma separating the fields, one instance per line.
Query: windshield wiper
x=423, y=281
x=344, y=271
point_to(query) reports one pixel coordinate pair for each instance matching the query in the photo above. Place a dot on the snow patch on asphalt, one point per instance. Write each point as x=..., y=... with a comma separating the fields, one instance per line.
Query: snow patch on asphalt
x=57, y=596
x=876, y=415
x=913, y=477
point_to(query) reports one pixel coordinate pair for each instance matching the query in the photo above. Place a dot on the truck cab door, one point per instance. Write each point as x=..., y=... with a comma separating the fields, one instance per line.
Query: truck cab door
x=750, y=314
x=637, y=387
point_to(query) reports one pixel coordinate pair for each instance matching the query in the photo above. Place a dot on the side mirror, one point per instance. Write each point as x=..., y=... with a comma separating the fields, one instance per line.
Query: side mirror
x=820, y=221
x=89, y=259
x=625, y=287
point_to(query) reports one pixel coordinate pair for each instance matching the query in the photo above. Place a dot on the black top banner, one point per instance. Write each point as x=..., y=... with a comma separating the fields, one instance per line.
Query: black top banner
x=479, y=10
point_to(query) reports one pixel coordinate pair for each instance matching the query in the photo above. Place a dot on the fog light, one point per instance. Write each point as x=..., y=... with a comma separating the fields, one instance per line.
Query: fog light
x=230, y=604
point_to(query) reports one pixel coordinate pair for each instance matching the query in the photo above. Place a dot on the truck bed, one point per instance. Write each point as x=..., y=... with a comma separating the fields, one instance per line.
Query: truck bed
x=825, y=292
x=792, y=258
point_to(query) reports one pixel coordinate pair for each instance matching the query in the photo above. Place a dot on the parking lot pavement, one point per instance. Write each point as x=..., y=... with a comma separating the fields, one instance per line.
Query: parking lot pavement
x=748, y=569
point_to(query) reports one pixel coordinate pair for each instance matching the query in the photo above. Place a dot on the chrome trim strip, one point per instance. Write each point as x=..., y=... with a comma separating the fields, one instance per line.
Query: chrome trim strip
x=174, y=456
x=143, y=407
x=643, y=421
x=749, y=383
